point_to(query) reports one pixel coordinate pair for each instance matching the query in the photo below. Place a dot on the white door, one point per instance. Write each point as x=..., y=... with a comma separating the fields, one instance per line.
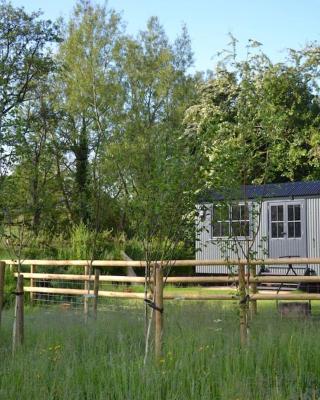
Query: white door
x=287, y=229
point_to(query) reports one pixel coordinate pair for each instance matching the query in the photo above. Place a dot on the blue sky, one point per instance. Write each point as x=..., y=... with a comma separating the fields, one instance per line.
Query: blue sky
x=278, y=24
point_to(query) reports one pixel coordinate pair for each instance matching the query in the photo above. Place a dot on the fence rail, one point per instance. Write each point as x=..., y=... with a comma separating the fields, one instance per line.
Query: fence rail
x=251, y=279
x=174, y=279
x=175, y=263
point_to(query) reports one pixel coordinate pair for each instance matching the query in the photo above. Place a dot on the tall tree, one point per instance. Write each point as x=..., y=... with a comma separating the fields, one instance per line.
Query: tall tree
x=32, y=186
x=88, y=96
x=253, y=122
x=25, y=61
x=150, y=164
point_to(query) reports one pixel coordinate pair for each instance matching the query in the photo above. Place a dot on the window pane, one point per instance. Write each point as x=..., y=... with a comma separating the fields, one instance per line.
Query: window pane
x=274, y=214
x=245, y=228
x=222, y=213
x=236, y=228
x=280, y=229
x=274, y=233
x=290, y=213
x=235, y=213
x=280, y=213
x=230, y=220
x=245, y=212
x=297, y=213
x=225, y=230
x=216, y=229
x=297, y=226
x=291, y=229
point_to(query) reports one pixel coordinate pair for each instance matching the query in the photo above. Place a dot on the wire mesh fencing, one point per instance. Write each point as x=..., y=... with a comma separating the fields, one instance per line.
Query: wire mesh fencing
x=84, y=289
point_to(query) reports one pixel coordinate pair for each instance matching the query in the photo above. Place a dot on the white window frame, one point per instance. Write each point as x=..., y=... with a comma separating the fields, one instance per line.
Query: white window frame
x=232, y=237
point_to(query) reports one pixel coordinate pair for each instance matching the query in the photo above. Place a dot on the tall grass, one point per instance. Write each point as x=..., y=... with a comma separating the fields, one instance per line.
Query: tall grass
x=65, y=359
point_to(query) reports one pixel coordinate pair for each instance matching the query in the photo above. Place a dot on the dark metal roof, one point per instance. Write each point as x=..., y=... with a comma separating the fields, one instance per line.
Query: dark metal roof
x=268, y=190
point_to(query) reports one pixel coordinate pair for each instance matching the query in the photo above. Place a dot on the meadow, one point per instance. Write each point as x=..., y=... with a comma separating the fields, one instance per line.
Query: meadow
x=64, y=358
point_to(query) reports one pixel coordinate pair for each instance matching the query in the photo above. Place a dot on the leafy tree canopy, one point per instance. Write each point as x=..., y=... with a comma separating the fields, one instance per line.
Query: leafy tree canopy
x=256, y=121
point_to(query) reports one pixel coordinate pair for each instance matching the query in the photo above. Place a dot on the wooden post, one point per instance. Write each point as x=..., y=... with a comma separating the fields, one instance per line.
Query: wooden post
x=86, y=299
x=96, y=292
x=146, y=307
x=253, y=290
x=32, y=271
x=18, y=325
x=158, y=311
x=2, y=278
x=242, y=305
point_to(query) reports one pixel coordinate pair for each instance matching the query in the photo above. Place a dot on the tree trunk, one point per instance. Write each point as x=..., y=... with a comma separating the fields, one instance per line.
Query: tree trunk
x=158, y=311
x=242, y=305
x=81, y=152
x=86, y=298
x=129, y=270
x=18, y=325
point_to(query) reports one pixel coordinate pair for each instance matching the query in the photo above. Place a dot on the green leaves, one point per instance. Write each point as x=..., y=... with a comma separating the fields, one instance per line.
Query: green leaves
x=24, y=54
x=153, y=170
x=253, y=121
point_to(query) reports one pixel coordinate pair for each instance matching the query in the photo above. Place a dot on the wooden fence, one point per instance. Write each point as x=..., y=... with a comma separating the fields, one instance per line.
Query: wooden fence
x=245, y=279
x=250, y=278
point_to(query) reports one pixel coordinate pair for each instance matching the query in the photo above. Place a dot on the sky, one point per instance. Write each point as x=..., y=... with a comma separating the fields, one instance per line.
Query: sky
x=277, y=24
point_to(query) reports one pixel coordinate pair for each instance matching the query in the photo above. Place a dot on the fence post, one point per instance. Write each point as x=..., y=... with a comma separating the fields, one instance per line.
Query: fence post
x=18, y=325
x=158, y=310
x=32, y=270
x=96, y=292
x=242, y=304
x=253, y=290
x=2, y=279
x=85, y=298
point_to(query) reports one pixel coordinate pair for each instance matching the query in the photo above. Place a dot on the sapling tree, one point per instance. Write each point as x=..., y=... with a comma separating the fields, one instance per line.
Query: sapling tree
x=16, y=235
x=25, y=62
x=154, y=171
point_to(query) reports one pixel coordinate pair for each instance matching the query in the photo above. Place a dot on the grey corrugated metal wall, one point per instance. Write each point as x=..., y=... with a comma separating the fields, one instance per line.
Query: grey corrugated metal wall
x=209, y=248
x=214, y=249
x=313, y=229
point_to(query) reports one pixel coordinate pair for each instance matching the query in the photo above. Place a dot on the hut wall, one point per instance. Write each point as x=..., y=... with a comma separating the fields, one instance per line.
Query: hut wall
x=211, y=248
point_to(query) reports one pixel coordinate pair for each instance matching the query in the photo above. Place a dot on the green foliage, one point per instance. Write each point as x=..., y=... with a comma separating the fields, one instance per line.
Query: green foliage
x=114, y=134
x=88, y=93
x=80, y=243
x=25, y=62
x=253, y=122
x=154, y=172
x=134, y=249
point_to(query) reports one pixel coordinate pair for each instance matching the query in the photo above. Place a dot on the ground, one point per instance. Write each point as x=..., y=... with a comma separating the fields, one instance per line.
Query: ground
x=64, y=358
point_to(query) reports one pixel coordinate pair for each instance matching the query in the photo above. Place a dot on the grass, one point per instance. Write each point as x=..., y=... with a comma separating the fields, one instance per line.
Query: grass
x=63, y=358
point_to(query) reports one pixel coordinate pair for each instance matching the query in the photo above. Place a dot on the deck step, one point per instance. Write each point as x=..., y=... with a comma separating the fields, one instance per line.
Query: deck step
x=276, y=286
